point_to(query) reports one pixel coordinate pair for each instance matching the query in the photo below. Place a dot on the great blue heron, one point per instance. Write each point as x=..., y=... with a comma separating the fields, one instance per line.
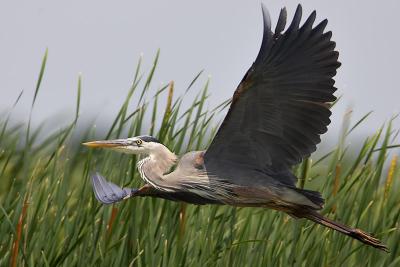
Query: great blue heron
x=277, y=114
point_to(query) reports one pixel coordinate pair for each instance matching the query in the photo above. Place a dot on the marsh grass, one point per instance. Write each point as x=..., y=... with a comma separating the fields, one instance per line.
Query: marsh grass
x=49, y=217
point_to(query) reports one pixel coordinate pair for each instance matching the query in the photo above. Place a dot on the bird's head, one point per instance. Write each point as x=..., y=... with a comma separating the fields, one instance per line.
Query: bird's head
x=142, y=145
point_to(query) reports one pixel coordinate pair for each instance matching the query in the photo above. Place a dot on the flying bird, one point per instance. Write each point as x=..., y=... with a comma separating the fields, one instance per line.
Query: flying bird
x=276, y=117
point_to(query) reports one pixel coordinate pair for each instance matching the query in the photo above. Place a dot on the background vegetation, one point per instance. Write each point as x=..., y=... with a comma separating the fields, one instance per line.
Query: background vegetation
x=49, y=216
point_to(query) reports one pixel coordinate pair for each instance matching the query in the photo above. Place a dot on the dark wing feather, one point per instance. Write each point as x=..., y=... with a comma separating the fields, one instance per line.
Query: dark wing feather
x=107, y=192
x=280, y=107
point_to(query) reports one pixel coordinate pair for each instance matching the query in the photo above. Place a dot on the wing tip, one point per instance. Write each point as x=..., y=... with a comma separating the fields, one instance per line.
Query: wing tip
x=322, y=25
x=280, y=25
x=107, y=192
x=296, y=18
x=266, y=17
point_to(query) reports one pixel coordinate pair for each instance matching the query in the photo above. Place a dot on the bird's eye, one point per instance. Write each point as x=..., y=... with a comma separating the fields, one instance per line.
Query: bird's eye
x=138, y=142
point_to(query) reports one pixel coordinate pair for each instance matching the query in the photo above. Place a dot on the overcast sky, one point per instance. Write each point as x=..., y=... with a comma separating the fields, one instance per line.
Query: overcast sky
x=104, y=39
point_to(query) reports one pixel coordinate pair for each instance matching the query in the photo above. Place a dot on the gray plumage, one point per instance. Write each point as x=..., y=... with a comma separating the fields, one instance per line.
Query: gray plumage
x=277, y=114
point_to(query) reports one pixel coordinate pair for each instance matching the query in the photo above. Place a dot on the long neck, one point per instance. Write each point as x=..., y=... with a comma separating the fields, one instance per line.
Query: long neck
x=162, y=159
x=153, y=167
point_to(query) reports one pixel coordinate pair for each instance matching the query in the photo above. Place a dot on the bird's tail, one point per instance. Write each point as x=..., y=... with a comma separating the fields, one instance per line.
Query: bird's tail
x=314, y=196
x=344, y=229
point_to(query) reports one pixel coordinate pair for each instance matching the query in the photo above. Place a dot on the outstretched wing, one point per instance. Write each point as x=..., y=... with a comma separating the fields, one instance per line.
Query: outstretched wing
x=280, y=107
x=107, y=192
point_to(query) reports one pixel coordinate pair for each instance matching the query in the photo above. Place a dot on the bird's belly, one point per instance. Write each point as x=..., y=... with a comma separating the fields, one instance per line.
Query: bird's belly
x=249, y=196
x=283, y=199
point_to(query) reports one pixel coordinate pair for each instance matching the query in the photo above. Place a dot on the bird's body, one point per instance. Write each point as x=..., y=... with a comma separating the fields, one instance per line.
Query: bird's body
x=237, y=186
x=277, y=114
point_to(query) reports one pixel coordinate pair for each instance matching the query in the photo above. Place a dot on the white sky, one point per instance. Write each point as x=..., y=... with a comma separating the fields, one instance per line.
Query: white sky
x=104, y=39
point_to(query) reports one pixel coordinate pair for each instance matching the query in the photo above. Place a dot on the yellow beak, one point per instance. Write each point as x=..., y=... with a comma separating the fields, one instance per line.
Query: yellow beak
x=105, y=143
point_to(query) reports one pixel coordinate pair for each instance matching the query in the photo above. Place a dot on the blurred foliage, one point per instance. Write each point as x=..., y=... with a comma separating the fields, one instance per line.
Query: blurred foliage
x=49, y=216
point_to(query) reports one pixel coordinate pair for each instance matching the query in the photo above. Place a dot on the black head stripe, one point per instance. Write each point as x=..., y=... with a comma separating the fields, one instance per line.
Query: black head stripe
x=148, y=138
